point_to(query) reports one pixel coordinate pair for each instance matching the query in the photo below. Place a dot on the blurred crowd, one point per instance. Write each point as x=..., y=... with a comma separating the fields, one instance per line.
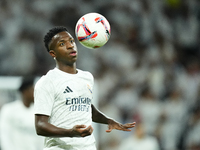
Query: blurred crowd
x=148, y=72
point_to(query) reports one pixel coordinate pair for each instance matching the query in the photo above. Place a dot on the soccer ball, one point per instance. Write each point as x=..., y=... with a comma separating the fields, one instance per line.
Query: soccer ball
x=92, y=30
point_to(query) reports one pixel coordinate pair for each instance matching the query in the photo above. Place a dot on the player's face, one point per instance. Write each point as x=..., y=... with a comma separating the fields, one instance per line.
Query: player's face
x=63, y=47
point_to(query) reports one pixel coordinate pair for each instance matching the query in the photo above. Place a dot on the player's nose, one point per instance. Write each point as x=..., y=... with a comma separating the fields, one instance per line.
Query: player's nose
x=70, y=45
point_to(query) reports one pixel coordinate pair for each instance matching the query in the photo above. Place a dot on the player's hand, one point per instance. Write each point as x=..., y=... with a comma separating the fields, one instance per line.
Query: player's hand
x=118, y=126
x=82, y=131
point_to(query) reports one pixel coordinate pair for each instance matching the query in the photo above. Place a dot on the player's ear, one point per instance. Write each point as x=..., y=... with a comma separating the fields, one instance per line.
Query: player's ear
x=52, y=53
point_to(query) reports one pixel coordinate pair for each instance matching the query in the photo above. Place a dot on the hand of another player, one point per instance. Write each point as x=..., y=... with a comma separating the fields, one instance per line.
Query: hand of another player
x=118, y=126
x=81, y=130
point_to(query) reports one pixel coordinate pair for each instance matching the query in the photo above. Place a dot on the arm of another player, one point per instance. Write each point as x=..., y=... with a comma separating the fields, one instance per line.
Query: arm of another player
x=44, y=128
x=99, y=117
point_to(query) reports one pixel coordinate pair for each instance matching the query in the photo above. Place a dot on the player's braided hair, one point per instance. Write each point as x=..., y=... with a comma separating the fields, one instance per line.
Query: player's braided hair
x=51, y=33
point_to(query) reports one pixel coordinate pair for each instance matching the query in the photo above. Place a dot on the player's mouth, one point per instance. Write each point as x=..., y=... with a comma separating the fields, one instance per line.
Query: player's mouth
x=73, y=53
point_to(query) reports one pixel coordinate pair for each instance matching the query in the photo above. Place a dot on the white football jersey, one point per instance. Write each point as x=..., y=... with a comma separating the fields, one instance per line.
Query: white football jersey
x=17, y=127
x=67, y=99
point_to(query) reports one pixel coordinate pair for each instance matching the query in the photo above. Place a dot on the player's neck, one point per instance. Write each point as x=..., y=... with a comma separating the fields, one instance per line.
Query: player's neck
x=68, y=68
x=26, y=103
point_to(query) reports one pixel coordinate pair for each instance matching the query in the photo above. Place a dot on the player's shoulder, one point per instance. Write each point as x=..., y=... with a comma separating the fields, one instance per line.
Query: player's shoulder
x=50, y=75
x=85, y=73
x=13, y=103
x=46, y=79
x=10, y=106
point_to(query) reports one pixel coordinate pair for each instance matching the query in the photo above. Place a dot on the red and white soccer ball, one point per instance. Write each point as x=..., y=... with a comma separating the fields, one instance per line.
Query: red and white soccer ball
x=92, y=30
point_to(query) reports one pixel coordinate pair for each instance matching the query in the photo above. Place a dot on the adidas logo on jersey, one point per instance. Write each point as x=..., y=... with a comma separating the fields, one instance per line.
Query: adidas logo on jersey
x=67, y=90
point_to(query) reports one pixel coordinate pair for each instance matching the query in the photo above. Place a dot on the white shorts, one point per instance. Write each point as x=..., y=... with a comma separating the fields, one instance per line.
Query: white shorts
x=81, y=147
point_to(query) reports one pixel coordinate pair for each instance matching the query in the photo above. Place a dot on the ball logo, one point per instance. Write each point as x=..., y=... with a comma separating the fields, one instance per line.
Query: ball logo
x=89, y=34
x=103, y=21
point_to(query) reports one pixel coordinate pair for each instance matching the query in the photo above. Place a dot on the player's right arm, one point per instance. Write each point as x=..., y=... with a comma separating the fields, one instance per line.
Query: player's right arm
x=44, y=128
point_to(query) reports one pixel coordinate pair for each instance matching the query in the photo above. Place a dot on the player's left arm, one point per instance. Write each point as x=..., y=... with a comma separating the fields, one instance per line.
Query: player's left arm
x=99, y=117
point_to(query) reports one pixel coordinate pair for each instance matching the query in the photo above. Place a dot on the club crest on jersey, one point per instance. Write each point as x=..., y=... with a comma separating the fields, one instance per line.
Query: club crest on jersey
x=89, y=88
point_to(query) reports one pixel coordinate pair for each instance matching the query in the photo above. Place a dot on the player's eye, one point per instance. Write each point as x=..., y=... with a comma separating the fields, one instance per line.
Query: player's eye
x=72, y=41
x=62, y=44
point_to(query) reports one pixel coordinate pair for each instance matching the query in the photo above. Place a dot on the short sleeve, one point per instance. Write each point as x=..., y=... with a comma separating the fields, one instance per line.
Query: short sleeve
x=43, y=96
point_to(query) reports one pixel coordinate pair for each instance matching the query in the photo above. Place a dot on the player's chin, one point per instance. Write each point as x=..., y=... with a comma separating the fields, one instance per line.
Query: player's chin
x=73, y=60
x=70, y=61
